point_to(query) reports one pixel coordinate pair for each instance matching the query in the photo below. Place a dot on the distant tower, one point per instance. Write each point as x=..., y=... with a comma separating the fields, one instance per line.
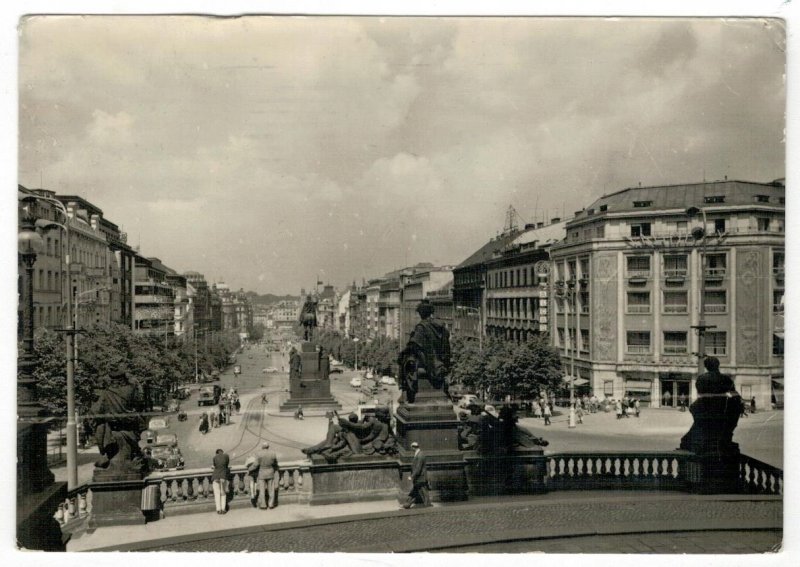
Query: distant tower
x=511, y=220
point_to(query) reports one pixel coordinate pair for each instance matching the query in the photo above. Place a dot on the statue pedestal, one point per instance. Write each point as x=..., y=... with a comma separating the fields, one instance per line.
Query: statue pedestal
x=357, y=478
x=714, y=474
x=432, y=422
x=312, y=388
x=116, y=499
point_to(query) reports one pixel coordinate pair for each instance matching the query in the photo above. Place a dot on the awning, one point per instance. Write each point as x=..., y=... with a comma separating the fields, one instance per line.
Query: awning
x=779, y=334
x=638, y=384
x=778, y=381
x=578, y=381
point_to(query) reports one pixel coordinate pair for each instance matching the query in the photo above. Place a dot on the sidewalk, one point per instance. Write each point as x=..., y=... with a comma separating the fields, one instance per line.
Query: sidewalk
x=381, y=527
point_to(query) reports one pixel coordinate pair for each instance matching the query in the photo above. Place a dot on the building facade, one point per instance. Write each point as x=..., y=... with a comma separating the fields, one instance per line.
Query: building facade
x=154, y=299
x=633, y=273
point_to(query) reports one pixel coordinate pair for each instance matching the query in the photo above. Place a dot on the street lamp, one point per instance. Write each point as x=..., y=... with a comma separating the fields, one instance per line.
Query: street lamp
x=699, y=233
x=32, y=472
x=573, y=350
x=355, y=340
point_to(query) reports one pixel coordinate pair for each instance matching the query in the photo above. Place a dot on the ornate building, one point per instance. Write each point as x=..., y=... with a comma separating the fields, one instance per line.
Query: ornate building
x=630, y=281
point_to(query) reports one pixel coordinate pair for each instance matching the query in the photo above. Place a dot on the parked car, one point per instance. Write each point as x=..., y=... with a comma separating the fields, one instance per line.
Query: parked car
x=269, y=370
x=336, y=370
x=167, y=456
x=355, y=382
x=388, y=381
x=468, y=400
x=209, y=395
x=457, y=391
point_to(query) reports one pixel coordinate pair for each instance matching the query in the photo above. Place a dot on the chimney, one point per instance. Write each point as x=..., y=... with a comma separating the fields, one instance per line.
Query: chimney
x=530, y=225
x=554, y=220
x=539, y=224
x=95, y=222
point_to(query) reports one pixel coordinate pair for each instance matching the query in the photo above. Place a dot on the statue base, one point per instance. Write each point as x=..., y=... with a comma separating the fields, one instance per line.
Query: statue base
x=116, y=499
x=522, y=472
x=714, y=474
x=312, y=387
x=447, y=477
x=357, y=478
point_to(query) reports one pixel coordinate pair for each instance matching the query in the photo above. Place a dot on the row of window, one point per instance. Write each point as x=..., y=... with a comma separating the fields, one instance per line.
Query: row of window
x=676, y=342
x=715, y=301
x=46, y=281
x=519, y=307
x=517, y=277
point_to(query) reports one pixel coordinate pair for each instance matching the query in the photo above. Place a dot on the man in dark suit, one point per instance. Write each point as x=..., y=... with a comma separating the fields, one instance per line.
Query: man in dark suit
x=267, y=465
x=419, y=480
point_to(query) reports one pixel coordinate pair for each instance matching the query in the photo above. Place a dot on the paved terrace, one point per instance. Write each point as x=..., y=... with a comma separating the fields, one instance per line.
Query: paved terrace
x=566, y=522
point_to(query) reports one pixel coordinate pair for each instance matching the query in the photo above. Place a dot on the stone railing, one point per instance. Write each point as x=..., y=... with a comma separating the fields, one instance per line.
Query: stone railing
x=617, y=470
x=191, y=490
x=760, y=478
x=73, y=512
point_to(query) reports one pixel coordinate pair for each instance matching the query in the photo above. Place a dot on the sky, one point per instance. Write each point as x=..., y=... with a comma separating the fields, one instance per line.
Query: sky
x=268, y=152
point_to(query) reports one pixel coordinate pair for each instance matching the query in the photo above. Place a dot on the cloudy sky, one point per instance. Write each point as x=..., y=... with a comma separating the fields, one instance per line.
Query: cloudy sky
x=263, y=151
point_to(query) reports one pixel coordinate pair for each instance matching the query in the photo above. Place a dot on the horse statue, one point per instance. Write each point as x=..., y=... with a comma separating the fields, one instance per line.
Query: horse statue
x=117, y=424
x=308, y=318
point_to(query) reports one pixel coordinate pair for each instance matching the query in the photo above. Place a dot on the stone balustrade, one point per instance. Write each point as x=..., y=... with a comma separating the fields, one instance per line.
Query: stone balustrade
x=618, y=470
x=188, y=491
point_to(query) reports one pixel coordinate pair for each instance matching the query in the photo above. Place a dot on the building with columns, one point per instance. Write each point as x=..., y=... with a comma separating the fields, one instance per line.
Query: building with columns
x=629, y=281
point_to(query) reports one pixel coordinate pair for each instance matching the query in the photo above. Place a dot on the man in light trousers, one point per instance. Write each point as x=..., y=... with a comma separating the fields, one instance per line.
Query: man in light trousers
x=267, y=465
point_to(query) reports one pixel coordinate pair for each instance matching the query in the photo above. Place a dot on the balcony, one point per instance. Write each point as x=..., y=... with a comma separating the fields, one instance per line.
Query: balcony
x=639, y=309
x=675, y=349
x=715, y=273
x=638, y=349
x=676, y=273
x=716, y=308
x=679, y=308
x=638, y=274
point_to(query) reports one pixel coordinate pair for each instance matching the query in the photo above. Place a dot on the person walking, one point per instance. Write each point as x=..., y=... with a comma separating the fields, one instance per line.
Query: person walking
x=753, y=404
x=636, y=406
x=537, y=409
x=419, y=480
x=219, y=480
x=266, y=464
x=579, y=412
x=682, y=402
x=618, y=408
x=204, y=423
x=547, y=412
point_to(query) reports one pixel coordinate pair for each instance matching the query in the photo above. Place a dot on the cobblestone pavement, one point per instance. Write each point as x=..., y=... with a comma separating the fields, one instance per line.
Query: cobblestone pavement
x=718, y=542
x=464, y=526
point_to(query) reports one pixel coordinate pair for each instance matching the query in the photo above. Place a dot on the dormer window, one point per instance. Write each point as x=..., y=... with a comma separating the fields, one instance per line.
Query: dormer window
x=715, y=199
x=642, y=204
x=762, y=198
x=589, y=212
x=603, y=208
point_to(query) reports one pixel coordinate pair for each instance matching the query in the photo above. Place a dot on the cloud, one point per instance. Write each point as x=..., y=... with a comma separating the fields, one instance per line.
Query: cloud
x=356, y=145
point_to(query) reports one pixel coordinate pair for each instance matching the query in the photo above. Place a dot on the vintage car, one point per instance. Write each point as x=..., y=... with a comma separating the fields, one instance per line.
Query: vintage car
x=388, y=381
x=355, y=382
x=166, y=454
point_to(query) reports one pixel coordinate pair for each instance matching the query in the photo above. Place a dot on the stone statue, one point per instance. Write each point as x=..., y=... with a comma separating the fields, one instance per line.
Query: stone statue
x=426, y=355
x=348, y=436
x=117, y=424
x=308, y=317
x=488, y=434
x=716, y=414
x=295, y=364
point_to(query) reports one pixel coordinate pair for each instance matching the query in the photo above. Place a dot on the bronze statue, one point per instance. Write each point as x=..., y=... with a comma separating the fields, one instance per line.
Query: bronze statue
x=117, y=424
x=308, y=317
x=426, y=355
x=295, y=364
x=716, y=414
x=348, y=436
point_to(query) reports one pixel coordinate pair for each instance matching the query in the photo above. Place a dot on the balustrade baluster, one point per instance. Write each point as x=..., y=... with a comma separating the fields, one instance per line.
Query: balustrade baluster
x=290, y=479
x=191, y=491
x=164, y=492
x=59, y=515
x=206, y=486
x=173, y=490
x=299, y=474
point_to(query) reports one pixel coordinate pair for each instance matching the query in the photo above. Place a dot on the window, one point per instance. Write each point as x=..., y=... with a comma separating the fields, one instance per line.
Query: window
x=561, y=337
x=41, y=279
x=638, y=266
x=584, y=340
x=719, y=226
x=49, y=280
x=600, y=231
x=716, y=342
x=584, y=268
x=777, y=301
x=675, y=342
x=715, y=265
x=49, y=246
x=641, y=204
x=763, y=224
x=603, y=208
x=584, y=301
x=715, y=301
x=638, y=302
x=638, y=342
x=57, y=248
x=675, y=302
x=682, y=227
x=675, y=266
x=715, y=199
x=777, y=345
x=589, y=212
x=778, y=262
x=640, y=229
x=762, y=198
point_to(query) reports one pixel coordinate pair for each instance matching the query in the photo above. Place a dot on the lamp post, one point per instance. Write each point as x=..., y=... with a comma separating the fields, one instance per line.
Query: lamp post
x=32, y=472
x=699, y=233
x=355, y=340
x=573, y=350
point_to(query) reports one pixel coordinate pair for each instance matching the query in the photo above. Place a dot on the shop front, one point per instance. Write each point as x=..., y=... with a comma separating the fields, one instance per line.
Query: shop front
x=639, y=385
x=675, y=387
